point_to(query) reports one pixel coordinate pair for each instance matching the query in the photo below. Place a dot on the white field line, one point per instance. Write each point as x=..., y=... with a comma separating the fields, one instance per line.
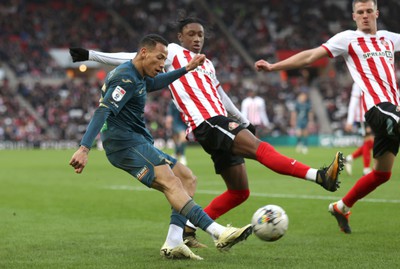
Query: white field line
x=271, y=195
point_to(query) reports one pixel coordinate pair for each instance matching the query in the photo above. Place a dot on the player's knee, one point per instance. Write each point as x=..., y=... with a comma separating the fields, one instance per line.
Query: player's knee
x=382, y=177
x=239, y=196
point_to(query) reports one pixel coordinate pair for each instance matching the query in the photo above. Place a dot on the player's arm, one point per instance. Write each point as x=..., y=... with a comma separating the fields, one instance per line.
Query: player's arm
x=233, y=111
x=117, y=58
x=296, y=61
x=164, y=79
x=80, y=157
x=351, y=111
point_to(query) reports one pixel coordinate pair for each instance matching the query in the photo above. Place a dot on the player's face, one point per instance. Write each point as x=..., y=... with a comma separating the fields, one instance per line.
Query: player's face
x=154, y=60
x=192, y=37
x=365, y=16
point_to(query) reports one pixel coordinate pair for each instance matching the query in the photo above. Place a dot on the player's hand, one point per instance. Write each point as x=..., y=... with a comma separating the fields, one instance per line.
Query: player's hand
x=79, y=54
x=196, y=61
x=348, y=127
x=262, y=65
x=79, y=159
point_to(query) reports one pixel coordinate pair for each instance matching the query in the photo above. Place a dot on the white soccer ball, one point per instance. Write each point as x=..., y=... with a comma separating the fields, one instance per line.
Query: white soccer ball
x=270, y=222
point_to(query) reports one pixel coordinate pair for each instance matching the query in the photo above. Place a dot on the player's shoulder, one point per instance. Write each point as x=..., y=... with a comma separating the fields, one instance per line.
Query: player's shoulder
x=386, y=33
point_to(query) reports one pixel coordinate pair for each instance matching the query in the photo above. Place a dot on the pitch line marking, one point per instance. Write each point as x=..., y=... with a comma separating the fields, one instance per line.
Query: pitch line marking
x=270, y=195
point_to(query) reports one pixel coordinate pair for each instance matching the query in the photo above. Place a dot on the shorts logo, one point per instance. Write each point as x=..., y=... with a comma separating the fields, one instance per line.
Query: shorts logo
x=118, y=93
x=142, y=173
x=397, y=108
x=233, y=126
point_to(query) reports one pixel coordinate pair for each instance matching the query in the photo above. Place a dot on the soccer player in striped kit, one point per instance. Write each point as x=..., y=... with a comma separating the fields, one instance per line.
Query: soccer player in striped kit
x=254, y=109
x=369, y=55
x=355, y=118
x=205, y=107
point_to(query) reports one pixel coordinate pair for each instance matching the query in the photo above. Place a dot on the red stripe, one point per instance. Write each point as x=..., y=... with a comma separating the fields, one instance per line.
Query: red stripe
x=392, y=83
x=364, y=77
x=385, y=67
x=200, y=85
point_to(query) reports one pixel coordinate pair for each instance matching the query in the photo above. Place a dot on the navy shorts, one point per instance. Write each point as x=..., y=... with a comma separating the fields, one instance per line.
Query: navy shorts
x=216, y=136
x=384, y=122
x=140, y=160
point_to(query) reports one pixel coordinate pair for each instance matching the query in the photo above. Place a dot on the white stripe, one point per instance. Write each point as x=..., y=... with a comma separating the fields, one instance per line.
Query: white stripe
x=270, y=195
x=394, y=116
x=222, y=130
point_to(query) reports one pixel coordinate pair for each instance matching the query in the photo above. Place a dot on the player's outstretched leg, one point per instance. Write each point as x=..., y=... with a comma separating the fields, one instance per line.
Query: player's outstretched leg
x=341, y=217
x=231, y=236
x=179, y=252
x=328, y=177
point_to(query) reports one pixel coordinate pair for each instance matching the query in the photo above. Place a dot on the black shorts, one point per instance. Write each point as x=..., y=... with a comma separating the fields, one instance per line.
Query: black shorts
x=216, y=136
x=384, y=122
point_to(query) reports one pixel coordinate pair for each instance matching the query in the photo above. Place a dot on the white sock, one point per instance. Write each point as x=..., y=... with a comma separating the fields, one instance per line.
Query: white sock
x=349, y=158
x=311, y=174
x=342, y=207
x=215, y=230
x=174, y=236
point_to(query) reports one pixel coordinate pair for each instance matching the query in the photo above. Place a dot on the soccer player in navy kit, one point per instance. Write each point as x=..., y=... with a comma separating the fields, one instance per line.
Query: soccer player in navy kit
x=129, y=145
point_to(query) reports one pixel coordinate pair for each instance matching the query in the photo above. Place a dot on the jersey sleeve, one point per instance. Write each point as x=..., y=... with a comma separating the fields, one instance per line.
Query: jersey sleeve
x=337, y=45
x=110, y=58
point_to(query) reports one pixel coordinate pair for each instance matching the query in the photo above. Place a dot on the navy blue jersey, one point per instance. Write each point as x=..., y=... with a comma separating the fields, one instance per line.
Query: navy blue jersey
x=120, y=115
x=302, y=110
x=124, y=92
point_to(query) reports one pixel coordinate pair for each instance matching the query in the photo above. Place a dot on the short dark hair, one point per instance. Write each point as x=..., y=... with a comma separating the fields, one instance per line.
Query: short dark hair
x=151, y=41
x=184, y=19
x=364, y=1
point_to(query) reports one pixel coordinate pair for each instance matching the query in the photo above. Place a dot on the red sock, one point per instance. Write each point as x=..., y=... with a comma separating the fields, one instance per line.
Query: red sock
x=367, y=147
x=225, y=202
x=365, y=185
x=358, y=152
x=279, y=163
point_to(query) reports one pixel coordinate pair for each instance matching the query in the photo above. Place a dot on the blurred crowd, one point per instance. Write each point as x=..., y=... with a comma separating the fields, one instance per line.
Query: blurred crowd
x=35, y=111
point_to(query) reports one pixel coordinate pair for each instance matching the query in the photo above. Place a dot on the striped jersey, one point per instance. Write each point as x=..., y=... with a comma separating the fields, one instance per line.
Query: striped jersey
x=195, y=94
x=370, y=60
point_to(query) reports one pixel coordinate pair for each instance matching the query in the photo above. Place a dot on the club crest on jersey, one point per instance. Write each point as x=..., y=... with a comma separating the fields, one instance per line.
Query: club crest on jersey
x=233, y=125
x=384, y=42
x=118, y=94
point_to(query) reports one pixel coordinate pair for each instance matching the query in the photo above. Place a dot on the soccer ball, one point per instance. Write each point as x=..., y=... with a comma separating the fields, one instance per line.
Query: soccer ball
x=270, y=222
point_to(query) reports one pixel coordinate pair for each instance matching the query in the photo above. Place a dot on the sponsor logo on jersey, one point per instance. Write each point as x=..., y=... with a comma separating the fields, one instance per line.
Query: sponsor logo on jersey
x=118, y=94
x=126, y=81
x=233, y=125
x=387, y=54
x=142, y=173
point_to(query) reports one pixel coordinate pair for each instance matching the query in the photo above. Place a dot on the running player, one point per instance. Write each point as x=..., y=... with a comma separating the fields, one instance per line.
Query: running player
x=369, y=55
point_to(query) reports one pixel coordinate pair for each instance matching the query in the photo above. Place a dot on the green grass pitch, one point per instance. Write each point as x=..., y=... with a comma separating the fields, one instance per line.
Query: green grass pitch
x=51, y=217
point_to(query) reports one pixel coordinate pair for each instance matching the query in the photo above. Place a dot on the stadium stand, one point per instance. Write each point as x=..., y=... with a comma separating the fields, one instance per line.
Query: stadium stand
x=41, y=101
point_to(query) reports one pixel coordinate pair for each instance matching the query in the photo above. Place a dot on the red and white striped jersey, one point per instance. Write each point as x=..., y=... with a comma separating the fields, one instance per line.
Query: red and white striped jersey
x=195, y=94
x=370, y=60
